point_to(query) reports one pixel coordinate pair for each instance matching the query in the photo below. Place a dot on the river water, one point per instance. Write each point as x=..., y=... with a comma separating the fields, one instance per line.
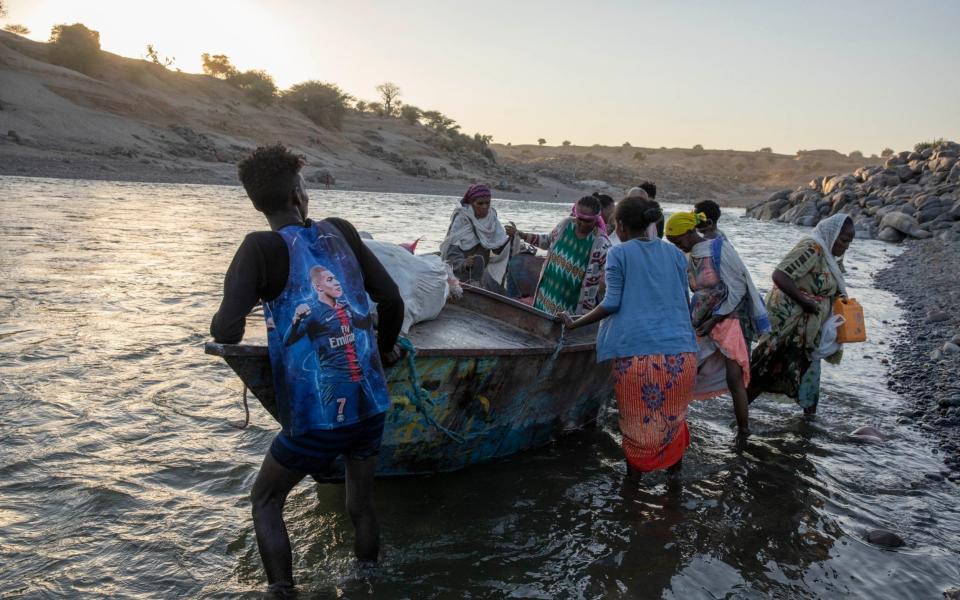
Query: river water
x=122, y=476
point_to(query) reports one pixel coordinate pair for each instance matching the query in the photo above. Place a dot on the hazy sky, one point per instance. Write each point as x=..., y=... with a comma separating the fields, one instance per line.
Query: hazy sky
x=726, y=74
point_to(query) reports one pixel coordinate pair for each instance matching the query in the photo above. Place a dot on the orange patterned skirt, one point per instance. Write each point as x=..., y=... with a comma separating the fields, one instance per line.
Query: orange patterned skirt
x=653, y=393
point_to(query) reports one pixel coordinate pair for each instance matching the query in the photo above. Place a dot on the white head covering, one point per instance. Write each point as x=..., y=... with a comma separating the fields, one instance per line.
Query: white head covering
x=466, y=230
x=825, y=234
x=639, y=192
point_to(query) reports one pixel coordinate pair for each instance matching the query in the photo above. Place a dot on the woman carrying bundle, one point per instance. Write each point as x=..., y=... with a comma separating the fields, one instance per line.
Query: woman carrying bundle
x=646, y=330
x=725, y=310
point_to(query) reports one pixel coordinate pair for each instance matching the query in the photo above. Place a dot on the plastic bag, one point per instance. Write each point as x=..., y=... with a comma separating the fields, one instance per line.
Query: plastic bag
x=423, y=280
x=828, y=338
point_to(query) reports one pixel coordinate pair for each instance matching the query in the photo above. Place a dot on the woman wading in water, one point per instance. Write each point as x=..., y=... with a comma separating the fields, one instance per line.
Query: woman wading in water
x=725, y=308
x=806, y=283
x=646, y=330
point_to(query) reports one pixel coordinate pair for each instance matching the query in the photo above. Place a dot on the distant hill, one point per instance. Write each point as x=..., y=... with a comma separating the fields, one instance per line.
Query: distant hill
x=733, y=175
x=135, y=120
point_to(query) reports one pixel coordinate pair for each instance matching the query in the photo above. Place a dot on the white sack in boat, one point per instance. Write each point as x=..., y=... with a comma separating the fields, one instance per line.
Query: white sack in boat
x=423, y=280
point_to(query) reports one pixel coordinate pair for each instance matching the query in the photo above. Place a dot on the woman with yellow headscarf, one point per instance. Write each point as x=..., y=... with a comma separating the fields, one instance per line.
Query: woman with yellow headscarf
x=725, y=310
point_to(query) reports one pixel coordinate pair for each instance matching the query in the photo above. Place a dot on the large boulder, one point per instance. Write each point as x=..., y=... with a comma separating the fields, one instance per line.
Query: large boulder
x=942, y=164
x=894, y=161
x=838, y=182
x=955, y=211
x=770, y=210
x=805, y=213
x=905, y=173
x=779, y=195
x=889, y=234
x=904, y=224
x=880, y=180
x=930, y=211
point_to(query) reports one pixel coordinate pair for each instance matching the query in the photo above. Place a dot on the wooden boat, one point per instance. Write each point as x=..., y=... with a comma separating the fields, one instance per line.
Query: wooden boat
x=490, y=377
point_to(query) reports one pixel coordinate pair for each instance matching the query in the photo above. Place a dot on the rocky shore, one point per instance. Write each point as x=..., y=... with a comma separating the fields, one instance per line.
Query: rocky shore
x=926, y=360
x=914, y=194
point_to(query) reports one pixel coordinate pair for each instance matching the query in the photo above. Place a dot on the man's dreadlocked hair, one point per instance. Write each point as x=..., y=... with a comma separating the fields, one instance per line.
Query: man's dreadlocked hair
x=269, y=176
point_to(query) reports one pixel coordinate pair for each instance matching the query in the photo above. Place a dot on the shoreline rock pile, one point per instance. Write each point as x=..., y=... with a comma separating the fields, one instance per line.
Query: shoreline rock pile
x=913, y=194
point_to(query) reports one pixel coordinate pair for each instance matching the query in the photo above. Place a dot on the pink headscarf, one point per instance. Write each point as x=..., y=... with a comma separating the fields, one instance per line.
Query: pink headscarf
x=475, y=192
x=598, y=218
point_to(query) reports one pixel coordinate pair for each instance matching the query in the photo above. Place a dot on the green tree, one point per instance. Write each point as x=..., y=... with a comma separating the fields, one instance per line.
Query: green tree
x=698, y=147
x=767, y=149
x=257, y=84
x=218, y=65
x=75, y=47
x=154, y=57
x=389, y=92
x=541, y=141
x=886, y=152
x=323, y=103
x=360, y=106
x=856, y=154
x=376, y=108
x=17, y=29
x=625, y=145
x=566, y=142
x=439, y=122
x=3, y=9
x=410, y=114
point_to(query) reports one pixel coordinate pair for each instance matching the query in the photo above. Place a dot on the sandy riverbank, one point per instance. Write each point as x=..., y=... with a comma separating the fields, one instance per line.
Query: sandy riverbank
x=925, y=279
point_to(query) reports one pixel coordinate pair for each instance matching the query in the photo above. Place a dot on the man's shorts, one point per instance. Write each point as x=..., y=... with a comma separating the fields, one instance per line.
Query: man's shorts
x=315, y=451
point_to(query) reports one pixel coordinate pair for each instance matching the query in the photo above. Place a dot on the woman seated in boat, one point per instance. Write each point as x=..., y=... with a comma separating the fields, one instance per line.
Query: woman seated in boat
x=475, y=232
x=725, y=311
x=806, y=283
x=572, y=276
x=646, y=330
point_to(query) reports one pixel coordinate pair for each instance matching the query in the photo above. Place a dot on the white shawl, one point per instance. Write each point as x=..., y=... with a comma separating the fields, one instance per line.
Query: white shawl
x=466, y=231
x=825, y=234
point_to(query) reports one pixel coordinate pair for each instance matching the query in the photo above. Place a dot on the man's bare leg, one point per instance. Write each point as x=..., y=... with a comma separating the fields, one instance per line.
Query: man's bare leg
x=360, y=507
x=274, y=482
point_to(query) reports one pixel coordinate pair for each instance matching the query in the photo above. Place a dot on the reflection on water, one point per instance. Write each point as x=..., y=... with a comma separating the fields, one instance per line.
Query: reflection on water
x=120, y=474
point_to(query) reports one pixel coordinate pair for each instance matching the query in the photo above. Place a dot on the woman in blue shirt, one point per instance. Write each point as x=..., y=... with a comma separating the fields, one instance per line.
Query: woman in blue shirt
x=646, y=329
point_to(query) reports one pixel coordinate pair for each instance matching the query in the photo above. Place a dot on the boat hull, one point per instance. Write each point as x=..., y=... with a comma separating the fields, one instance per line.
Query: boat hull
x=490, y=377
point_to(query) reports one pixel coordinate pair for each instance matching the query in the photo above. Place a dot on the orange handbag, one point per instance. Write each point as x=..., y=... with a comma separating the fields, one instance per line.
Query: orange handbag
x=853, y=329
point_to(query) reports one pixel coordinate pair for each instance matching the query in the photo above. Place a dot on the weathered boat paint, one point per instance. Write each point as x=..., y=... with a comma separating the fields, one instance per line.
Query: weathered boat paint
x=477, y=399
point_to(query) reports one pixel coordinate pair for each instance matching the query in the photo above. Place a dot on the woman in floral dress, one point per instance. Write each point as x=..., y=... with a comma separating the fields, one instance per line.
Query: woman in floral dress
x=806, y=283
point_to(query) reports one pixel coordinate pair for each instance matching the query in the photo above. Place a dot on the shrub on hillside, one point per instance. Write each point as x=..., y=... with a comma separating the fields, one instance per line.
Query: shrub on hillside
x=856, y=154
x=257, y=84
x=410, y=114
x=218, y=65
x=886, y=152
x=75, y=47
x=323, y=103
x=17, y=29
x=921, y=146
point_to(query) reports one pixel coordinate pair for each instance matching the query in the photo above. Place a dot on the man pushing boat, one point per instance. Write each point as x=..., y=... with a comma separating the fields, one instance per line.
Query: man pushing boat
x=313, y=278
